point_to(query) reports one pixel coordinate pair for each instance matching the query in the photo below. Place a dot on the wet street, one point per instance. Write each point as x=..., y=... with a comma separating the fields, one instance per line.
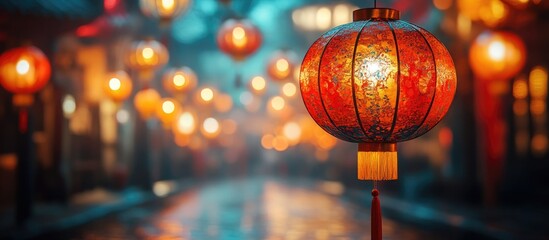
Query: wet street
x=245, y=209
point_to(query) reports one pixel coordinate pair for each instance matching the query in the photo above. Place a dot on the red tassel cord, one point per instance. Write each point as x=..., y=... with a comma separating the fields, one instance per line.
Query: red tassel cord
x=23, y=121
x=376, y=216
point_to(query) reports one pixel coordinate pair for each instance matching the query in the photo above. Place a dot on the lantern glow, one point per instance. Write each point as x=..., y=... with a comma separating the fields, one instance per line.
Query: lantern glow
x=207, y=94
x=185, y=123
x=258, y=84
x=289, y=89
x=24, y=70
x=146, y=101
x=238, y=38
x=179, y=80
x=376, y=83
x=497, y=55
x=118, y=86
x=164, y=9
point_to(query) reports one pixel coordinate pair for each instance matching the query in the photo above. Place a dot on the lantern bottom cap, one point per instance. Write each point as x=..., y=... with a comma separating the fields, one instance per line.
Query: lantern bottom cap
x=377, y=165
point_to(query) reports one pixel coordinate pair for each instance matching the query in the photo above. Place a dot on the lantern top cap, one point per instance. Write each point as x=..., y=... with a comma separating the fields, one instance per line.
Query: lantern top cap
x=364, y=14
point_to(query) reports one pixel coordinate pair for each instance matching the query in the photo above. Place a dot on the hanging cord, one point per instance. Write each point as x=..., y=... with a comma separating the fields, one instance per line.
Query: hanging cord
x=375, y=217
x=375, y=3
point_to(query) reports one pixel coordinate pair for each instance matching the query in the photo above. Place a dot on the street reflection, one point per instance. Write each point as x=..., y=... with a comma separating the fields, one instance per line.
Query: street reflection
x=246, y=209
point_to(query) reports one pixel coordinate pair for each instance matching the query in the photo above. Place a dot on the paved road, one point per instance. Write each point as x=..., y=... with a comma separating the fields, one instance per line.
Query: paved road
x=244, y=209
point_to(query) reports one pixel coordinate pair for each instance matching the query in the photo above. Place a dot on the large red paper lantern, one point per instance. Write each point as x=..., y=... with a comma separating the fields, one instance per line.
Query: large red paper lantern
x=377, y=81
x=497, y=55
x=24, y=70
x=238, y=38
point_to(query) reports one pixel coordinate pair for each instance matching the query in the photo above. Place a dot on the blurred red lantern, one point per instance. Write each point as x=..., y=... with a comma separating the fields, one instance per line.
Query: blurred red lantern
x=179, y=80
x=280, y=66
x=146, y=101
x=377, y=81
x=164, y=9
x=497, y=55
x=24, y=70
x=118, y=86
x=167, y=111
x=146, y=56
x=238, y=38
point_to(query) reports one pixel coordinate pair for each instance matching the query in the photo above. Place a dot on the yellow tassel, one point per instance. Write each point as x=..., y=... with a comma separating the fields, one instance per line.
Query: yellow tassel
x=377, y=165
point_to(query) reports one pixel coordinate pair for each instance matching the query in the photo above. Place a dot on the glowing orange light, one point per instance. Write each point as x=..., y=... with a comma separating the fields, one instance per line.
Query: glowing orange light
x=280, y=143
x=289, y=89
x=223, y=103
x=207, y=94
x=267, y=141
x=179, y=80
x=258, y=84
x=146, y=101
x=280, y=67
x=24, y=70
x=167, y=111
x=210, y=128
x=185, y=124
x=277, y=103
x=147, y=55
x=497, y=55
x=238, y=38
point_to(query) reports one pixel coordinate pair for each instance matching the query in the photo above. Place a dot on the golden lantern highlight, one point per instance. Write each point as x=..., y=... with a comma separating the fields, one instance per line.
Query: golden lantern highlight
x=289, y=89
x=238, y=38
x=179, y=80
x=146, y=56
x=118, y=86
x=167, y=111
x=164, y=9
x=146, y=102
x=210, y=128
x=277, y=103
x=280, y=66
x=205, y=96
x=258, y=85
x=24, y=71
x=185, y=124
x=497, y=55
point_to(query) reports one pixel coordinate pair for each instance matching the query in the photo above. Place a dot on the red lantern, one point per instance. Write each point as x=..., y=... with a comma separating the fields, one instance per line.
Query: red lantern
x=238, y=38
x=497, y=55
x=24, y=70
x=377, y=81
x=280, y=66
x=118, y=86
x=146, y=56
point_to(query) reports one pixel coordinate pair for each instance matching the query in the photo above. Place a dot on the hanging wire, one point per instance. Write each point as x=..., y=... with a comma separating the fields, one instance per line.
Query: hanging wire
x=375, y=3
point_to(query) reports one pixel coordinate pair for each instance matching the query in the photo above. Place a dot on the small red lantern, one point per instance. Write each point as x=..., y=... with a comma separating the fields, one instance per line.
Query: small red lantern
x=238, y=38
x=377, y=81
x=280, y=66
x=497, y=55
x=164, y=9
x=118, y=86
x=179, y=80
x=24, y=70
